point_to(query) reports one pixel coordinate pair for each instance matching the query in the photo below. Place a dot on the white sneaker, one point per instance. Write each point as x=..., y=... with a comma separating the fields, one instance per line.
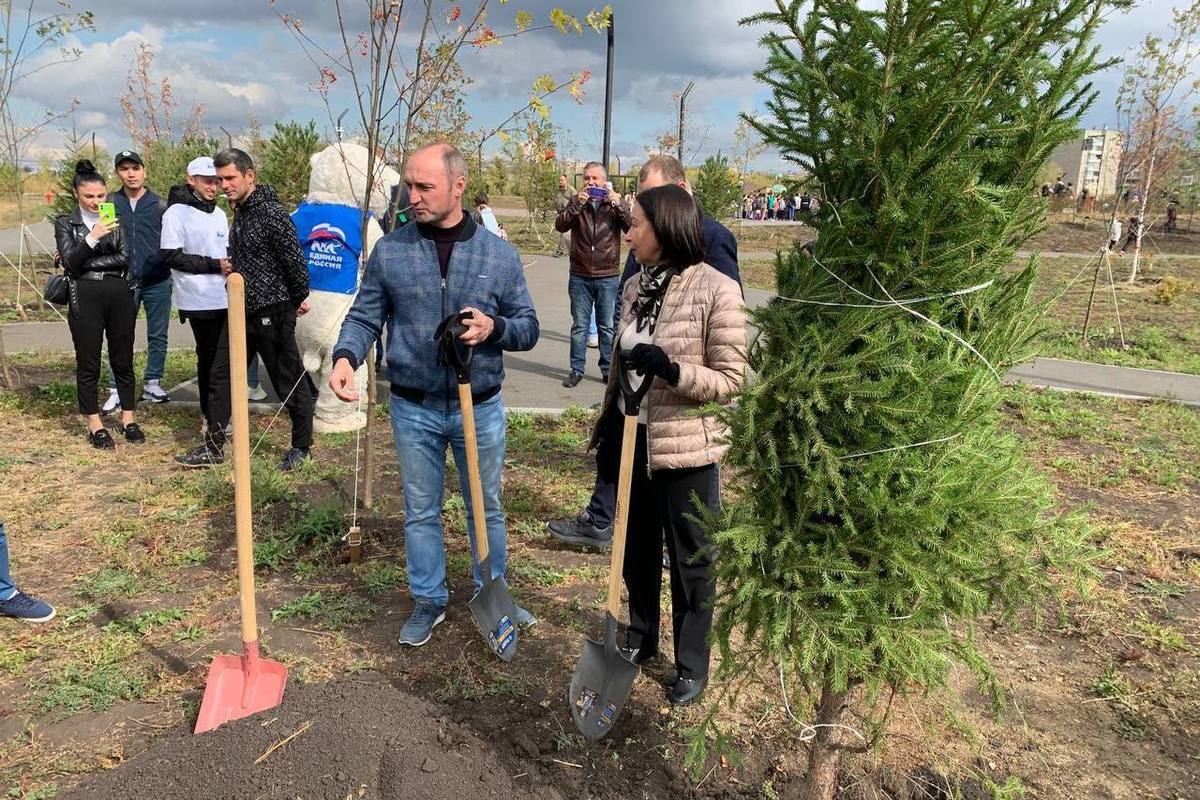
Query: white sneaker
x=594, y=340
x=112, y=403
x=154, y=393
x=257, y=393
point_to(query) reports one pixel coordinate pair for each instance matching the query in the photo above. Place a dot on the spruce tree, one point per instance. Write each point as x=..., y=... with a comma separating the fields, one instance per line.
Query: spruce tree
x=716, y=189
x=882, y=507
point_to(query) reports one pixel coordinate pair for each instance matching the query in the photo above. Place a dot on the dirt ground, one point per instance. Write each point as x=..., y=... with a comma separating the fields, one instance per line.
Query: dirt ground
x=351, y=738
x=139, y=559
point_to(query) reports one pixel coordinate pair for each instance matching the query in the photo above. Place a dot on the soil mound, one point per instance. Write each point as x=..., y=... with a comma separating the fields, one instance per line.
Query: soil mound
x=364, y=739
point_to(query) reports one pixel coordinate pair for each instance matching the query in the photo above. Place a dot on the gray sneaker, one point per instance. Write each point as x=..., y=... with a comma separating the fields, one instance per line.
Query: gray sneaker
x=256, y=393
x=525, y=618
x=155, y=393
x=426, y=616
x=112, y=403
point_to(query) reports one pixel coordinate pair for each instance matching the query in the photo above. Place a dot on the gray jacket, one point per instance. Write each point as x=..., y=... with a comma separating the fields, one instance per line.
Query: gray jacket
x=403, y=290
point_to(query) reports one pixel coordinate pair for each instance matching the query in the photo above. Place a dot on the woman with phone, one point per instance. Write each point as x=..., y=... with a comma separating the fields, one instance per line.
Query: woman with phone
x=683, y=327
x=95, y=257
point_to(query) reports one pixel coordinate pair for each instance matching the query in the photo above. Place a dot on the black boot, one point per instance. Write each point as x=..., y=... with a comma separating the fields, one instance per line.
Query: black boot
x=686, y=690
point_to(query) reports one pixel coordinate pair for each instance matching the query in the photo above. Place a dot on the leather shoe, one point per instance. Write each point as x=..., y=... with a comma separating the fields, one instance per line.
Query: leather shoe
x=572, y=380
x=686, y=690
x=639, y=656
x=581, y=531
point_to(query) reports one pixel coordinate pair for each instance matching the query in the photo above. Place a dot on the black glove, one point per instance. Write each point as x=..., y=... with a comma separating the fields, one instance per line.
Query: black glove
x=650, y=359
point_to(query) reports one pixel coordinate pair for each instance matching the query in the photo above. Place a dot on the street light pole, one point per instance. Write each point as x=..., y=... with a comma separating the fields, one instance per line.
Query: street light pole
x=608, y=80
x=682, y=107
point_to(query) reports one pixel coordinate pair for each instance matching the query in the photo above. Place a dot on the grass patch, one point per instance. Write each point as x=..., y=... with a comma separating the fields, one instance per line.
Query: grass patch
x=1157, y=636
x=95, y=679
x=1160, y=314
x=384, y=576
x=12, y=659
x=328, y=610
x=109, y=584
x=315, y=529
x=466, y=682
x=534, y=573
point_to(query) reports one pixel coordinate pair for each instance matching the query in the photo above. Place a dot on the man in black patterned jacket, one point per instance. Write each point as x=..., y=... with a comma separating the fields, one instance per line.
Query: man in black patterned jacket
x=264, y=249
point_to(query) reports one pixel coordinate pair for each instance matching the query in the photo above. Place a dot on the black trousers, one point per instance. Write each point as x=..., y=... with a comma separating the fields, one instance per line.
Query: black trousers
x=659, y=508
x=105, y=311
x=211, y=332
x=272, y=336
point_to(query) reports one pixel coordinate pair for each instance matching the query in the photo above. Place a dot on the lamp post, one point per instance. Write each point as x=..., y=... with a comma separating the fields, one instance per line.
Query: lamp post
x=608, y=79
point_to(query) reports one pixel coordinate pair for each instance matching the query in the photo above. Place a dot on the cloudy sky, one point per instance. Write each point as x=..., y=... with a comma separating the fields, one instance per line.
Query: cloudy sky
x=237, y=59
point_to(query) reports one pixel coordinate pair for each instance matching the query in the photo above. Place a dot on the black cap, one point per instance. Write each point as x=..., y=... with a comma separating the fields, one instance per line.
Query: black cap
x=128, y=155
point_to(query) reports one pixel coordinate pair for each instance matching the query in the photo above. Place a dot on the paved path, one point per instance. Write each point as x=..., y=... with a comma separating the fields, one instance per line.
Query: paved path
x=42, y=239
x=534, y=378
x=1081, y=376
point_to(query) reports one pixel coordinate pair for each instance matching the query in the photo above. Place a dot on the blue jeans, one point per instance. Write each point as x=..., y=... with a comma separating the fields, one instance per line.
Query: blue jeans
x=422, y=435
x=7, y=589
x=591, y=296
x=157, y=301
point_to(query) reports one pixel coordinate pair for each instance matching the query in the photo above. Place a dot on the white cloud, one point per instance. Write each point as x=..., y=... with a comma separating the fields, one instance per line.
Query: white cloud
x=99, y=79
x=236, y=58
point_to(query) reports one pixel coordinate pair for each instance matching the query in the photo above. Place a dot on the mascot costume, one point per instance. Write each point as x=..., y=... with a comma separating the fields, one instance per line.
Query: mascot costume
x=329, y=224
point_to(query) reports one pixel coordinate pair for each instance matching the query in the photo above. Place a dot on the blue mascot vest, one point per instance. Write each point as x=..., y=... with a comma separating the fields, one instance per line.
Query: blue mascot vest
x=331, y=238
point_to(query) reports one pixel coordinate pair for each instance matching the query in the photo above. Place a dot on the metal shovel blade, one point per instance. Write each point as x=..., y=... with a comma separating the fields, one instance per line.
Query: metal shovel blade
x=495, y=615
x=239, y=686
x=601, y=684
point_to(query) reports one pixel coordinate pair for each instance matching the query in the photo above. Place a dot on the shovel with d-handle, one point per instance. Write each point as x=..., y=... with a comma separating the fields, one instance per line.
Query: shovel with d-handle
x=492, y=607
x=239, y=686
x=604, y=675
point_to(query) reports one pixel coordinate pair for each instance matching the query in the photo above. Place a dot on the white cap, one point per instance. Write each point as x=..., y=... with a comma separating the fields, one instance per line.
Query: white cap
x=202, y=166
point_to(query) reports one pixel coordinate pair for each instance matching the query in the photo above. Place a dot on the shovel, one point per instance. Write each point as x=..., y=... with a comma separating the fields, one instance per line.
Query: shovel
x=492, y=608
x=604, y=675
x=239, y=686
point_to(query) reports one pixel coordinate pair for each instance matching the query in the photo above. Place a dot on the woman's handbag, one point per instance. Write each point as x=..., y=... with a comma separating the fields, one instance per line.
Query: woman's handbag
x=58, y=289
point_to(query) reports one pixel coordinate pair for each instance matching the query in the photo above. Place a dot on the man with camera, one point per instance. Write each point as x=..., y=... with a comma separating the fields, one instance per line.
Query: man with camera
x=596, y=219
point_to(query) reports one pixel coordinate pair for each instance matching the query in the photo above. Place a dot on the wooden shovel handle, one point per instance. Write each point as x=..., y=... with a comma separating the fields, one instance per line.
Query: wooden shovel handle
x=621, y=523
x=478, y=514
x=239, y=404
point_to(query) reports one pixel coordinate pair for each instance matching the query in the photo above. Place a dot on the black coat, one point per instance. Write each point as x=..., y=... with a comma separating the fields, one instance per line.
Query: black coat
x=265, y=249
x=111, y=254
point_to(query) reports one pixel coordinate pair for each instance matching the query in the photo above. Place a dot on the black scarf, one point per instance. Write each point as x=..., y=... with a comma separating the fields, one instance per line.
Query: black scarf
x=652, y=290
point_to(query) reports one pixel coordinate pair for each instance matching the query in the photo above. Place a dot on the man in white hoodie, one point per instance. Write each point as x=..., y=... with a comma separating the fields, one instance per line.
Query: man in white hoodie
x=195, y=238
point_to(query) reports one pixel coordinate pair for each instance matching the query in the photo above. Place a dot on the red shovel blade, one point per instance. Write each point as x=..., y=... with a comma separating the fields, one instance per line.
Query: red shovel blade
x=239, y=686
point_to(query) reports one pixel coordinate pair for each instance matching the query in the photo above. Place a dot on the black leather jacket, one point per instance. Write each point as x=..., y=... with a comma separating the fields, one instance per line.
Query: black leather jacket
x=111, y=254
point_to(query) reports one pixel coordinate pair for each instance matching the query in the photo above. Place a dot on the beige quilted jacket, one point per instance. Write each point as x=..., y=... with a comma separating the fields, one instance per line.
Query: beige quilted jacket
x=702, y=327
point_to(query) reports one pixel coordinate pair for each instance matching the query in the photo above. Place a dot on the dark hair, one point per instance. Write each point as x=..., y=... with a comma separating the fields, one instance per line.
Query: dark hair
x=238, y=158
x=85, y=172
x=677, y=224
x=481, y=199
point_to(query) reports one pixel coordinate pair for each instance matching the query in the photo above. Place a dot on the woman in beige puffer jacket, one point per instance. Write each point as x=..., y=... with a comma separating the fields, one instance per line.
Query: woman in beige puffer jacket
x=682, y=326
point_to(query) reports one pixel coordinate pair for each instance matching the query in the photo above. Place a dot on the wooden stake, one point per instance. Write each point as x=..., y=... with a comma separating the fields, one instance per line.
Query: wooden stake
x=240, y=407
x=8, y=378
x=1087, y=317
x=368, y=498
x=1116, y=307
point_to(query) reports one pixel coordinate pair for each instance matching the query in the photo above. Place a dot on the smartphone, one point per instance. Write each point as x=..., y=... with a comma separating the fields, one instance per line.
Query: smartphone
x=108, y=213
x=597, y=192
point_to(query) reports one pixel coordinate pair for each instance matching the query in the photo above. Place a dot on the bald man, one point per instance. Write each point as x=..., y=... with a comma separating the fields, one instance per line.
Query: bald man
x=418, y=275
